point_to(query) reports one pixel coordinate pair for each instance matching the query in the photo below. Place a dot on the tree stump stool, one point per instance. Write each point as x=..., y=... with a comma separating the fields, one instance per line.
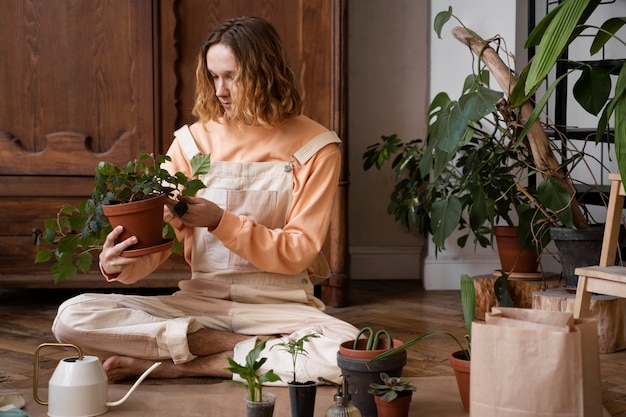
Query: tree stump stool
x=610, y=311
x=521, y=290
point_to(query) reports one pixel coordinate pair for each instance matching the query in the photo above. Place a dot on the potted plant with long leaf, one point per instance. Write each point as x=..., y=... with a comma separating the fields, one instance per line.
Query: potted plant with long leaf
x=137, y=190
x=258, y=403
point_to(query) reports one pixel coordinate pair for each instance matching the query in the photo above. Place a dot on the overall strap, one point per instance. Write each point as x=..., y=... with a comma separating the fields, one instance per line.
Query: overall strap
x=187, y=142
x=311, y=147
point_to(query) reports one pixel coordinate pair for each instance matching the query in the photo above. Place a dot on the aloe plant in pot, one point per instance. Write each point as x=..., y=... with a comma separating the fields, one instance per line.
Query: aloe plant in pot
x=69, y=239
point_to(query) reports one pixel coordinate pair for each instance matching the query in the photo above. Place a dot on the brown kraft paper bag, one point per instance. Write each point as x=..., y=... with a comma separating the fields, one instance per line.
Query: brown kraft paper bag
x=535, y=363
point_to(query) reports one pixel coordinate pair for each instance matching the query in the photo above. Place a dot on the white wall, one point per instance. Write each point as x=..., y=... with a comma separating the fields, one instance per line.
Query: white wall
x=388, y=58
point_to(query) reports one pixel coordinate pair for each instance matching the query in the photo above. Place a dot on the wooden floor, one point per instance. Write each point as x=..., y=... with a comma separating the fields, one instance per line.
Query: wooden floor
x=399, y=306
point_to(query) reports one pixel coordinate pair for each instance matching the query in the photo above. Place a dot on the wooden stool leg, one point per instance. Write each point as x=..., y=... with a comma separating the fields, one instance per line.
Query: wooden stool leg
x=583, y=299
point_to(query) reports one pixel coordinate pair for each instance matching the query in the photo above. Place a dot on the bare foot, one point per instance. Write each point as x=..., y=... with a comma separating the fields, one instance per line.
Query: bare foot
x=119, y=368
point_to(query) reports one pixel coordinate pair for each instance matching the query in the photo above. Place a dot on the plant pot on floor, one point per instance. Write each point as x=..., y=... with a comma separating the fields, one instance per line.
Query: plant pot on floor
x=514, y=259
x=396, y=408
x=143, y=219
x=360, y=373
x=264, y=408
x=302, y=398
x=577, y=248
x=461, y=366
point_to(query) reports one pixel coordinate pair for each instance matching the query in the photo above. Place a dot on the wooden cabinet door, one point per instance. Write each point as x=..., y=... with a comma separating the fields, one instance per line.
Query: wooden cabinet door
x=79, y=89
x=89, y=81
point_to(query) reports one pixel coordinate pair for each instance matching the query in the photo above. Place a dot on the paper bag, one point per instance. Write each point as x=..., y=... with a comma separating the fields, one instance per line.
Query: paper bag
x=535, y=363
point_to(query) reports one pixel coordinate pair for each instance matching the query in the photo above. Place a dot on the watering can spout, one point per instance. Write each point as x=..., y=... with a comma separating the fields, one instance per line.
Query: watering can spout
x=135, y=385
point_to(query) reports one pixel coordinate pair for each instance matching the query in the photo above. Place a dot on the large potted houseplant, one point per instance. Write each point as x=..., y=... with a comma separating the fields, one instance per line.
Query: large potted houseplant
x=258, y=403
x=301, y=393
x=132, y=195
x=393, y=396
x=436, y=186
x=353, y=358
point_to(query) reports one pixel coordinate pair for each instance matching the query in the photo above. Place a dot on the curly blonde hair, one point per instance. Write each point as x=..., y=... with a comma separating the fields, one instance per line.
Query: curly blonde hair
x=267, y=91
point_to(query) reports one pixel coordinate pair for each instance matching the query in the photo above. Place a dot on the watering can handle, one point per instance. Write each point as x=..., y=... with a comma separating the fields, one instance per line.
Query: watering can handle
x=135, y=385
x=36, y=366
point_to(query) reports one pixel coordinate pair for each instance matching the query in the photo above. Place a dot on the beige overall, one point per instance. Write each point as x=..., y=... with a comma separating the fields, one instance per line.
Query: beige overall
x=226, y=292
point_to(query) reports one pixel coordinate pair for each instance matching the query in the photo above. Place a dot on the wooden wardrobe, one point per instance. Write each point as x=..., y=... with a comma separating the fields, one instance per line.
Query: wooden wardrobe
x=85, y=81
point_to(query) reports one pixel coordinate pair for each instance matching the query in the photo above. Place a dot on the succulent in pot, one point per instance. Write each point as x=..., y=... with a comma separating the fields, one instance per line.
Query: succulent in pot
x=391, y=388
x=70, y=237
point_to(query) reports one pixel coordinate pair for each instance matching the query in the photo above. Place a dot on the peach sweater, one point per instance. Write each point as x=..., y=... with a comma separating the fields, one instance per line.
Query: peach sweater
x=289, y=250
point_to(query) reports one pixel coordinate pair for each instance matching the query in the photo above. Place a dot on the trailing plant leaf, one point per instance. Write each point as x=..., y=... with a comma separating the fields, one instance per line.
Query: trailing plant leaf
x=69, y=239
x=441, y=19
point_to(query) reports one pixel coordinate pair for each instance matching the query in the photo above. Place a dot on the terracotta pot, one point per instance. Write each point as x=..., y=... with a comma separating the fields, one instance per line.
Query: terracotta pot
x=396, y=408
x=461, y=367
x=143, y=219
x=346, y=348
x=512, y=257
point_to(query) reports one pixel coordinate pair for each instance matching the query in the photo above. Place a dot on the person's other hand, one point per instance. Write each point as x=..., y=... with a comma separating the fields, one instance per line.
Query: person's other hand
x=200, y=212
x=111, y=259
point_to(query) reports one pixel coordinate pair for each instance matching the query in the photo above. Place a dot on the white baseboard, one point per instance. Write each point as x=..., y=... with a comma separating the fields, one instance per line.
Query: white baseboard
x=444, y=273
x=378, y=262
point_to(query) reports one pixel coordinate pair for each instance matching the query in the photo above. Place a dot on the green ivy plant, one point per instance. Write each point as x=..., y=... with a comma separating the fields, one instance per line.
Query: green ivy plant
x=249, y=372
x=70, y=238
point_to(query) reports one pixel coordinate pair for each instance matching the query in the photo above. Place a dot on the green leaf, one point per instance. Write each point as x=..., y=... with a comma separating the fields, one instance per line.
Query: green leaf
x=478, y=211
x=554, y=40
x=441, y=19
x=557, y=199
x=468, y=301
x=43, y=255
x=450, y=128
x=539, y=107
x=501, y=290
x=83, y=261
x=200, y=164
x=446, y=214
x=477, y=104
x=181, y=208
x=620, y=121
x=592, y=89
x=608, y=30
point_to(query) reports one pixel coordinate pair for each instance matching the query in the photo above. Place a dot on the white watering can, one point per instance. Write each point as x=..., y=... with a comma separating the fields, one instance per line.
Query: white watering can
x=78, y=386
